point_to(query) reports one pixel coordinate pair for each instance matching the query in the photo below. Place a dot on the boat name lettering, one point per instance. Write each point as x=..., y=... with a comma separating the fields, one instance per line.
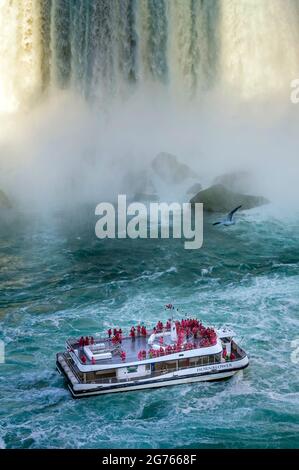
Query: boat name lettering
x=215, y=367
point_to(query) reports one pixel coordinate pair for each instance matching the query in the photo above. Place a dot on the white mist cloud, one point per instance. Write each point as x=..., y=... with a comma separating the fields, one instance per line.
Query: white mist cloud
x=65, y=152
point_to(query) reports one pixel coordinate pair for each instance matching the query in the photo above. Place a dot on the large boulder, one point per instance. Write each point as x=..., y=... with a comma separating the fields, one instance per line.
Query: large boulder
x=218, y=198
x=4, y=201
x=170, y=170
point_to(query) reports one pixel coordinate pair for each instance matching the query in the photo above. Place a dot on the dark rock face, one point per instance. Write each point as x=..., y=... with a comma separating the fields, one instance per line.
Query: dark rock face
x=168, y=168
x=218, y=198
x=4, y=201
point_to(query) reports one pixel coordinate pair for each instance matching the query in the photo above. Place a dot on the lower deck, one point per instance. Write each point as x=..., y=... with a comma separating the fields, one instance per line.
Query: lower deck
x=203, y=374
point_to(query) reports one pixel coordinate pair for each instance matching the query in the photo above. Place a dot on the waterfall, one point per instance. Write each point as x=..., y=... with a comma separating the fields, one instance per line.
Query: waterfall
x=20, y=52
x=193, y=45
x=105, y=49
x=259, y=41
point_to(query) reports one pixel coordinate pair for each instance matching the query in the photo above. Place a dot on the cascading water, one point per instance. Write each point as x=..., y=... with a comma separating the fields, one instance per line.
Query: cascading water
x=105, y=48
x=259, y=45
x=20, y=52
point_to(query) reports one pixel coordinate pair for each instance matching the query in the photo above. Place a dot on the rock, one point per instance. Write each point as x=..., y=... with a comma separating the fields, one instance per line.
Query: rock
x=4, y=201
x=218, y=198
x=167, y=179
x=195, y=188
x=168, y=168
x=238, y=181
x=138, y=182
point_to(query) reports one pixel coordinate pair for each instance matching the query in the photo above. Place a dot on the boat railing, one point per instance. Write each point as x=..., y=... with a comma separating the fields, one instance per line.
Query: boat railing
x=75, y=371
x=237, y=349
x=73, y=343
x=182, y=349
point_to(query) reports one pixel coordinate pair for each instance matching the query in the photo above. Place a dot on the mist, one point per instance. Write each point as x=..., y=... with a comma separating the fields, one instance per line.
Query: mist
x=67, y=152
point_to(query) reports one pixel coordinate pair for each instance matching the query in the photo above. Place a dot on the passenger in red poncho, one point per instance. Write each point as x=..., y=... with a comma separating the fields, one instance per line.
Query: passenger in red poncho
x=132, y=332
x=123, y=355
x=116, y=338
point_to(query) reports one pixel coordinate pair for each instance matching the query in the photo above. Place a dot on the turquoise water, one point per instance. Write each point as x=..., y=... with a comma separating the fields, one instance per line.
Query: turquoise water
x=58, y=280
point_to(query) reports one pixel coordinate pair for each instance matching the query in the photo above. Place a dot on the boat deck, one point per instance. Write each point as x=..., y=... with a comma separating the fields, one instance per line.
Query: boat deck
x=130, y=346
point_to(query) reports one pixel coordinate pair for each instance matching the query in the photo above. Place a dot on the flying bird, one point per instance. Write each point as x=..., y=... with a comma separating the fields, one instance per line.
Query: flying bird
x=229, y=219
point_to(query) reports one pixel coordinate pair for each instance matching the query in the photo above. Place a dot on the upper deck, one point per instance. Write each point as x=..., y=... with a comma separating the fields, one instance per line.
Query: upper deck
x=130, y=346
x=104, y=353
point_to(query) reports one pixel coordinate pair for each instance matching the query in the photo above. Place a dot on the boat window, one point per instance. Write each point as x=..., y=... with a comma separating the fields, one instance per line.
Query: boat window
x=106, y=373
x=205, y=360
x=193, y=361
x=217, y=357
x=170, y=364
x=183, y=363
x=159, y=365
x=214, y=358
x=90, y=376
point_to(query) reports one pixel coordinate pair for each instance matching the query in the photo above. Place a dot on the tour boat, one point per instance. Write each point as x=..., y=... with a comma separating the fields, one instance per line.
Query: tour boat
x=175, y=353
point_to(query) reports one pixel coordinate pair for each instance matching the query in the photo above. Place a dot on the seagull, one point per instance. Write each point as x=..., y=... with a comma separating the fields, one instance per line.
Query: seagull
x=229, y=219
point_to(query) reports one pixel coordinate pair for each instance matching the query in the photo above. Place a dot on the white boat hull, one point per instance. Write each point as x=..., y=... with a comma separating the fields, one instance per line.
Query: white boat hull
x=200, y=374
